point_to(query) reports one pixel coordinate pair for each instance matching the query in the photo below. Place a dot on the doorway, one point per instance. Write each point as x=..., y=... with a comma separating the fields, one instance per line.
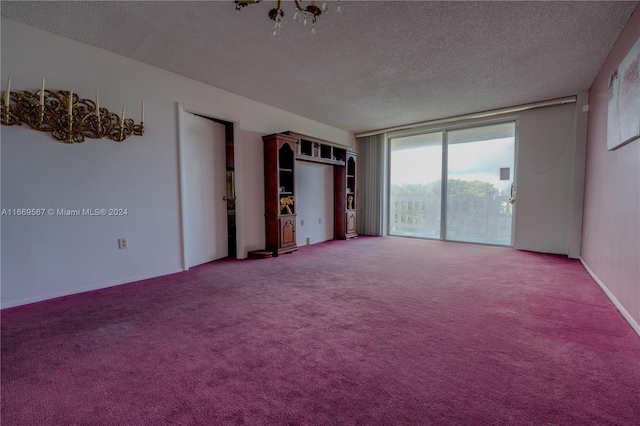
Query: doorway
x=454, y=184
x=208, y=195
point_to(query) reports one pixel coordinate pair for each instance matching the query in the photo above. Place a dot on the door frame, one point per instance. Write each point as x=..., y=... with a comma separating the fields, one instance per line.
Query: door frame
x=183, y=109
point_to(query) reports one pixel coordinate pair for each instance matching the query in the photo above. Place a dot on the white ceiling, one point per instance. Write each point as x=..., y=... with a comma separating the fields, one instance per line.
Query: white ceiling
x=377, y=64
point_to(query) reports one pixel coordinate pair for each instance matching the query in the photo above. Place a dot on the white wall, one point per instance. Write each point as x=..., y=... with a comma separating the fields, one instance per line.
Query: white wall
x=314, y=202
x=546, y=157
x=581, y=117
x=611, y=230
x=50, y=256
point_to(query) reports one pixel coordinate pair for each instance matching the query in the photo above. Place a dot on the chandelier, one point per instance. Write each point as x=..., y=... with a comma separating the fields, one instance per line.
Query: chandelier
x=302, y=12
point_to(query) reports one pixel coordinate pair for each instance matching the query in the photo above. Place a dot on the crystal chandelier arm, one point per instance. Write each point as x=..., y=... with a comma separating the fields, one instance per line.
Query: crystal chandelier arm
x=311, y=9
x=276, y=13
x=243, y=3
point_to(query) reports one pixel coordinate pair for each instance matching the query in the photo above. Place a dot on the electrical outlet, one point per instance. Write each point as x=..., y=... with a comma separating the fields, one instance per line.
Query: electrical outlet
x=320, y=220
x=122, y=243
x=308, y=240
x=301, y=222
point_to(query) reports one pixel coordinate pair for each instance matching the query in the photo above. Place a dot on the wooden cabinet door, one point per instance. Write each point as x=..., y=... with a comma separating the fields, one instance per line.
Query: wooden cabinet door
x=351, y=222
x=287, y=231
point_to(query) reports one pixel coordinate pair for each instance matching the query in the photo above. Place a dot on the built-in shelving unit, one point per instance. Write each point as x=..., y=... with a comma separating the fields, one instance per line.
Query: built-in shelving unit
x=318, y=150
x=281, y=152
x=279, y=193
x=351, y=195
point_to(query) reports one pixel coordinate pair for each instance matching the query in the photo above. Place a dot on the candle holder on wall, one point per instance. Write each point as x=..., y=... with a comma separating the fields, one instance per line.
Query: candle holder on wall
x=68, y=117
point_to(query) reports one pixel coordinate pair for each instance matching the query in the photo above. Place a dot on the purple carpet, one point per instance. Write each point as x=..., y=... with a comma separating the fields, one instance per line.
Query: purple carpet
x=382, y=331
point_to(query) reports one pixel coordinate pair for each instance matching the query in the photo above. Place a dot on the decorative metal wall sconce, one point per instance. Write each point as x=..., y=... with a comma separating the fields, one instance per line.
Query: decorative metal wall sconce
x=68, y=117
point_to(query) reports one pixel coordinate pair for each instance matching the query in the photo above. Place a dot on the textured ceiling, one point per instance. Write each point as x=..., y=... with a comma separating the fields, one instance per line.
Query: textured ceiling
x=377, y=64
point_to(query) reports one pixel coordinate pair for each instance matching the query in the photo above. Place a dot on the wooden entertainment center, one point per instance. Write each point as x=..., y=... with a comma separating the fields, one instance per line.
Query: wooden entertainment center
x=281, y=153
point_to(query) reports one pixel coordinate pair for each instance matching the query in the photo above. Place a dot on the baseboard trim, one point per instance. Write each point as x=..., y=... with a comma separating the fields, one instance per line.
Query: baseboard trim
x=611, y=297
x=78, y=290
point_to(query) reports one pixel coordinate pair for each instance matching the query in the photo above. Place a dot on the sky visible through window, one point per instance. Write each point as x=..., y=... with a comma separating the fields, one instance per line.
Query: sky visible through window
x=469, y=161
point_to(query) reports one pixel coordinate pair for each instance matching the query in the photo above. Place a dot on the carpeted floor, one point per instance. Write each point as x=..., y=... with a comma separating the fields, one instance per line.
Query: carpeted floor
x=383, y=331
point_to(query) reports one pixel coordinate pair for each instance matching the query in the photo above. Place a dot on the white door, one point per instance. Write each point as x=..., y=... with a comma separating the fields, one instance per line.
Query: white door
x=205, y=188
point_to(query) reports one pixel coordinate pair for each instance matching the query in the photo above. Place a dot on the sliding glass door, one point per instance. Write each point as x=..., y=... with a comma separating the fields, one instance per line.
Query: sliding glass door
x=416, y=192
x=480, y=175
x=454, y=184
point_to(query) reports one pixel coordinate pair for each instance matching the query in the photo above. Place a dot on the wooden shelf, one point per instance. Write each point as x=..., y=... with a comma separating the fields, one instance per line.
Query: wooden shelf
x=312, y=159
x=317, y=140
x=260, y=254
x=279, y=181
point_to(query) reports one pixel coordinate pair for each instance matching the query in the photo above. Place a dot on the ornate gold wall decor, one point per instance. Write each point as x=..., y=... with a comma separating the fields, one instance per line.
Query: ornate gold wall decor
x=68, y=117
